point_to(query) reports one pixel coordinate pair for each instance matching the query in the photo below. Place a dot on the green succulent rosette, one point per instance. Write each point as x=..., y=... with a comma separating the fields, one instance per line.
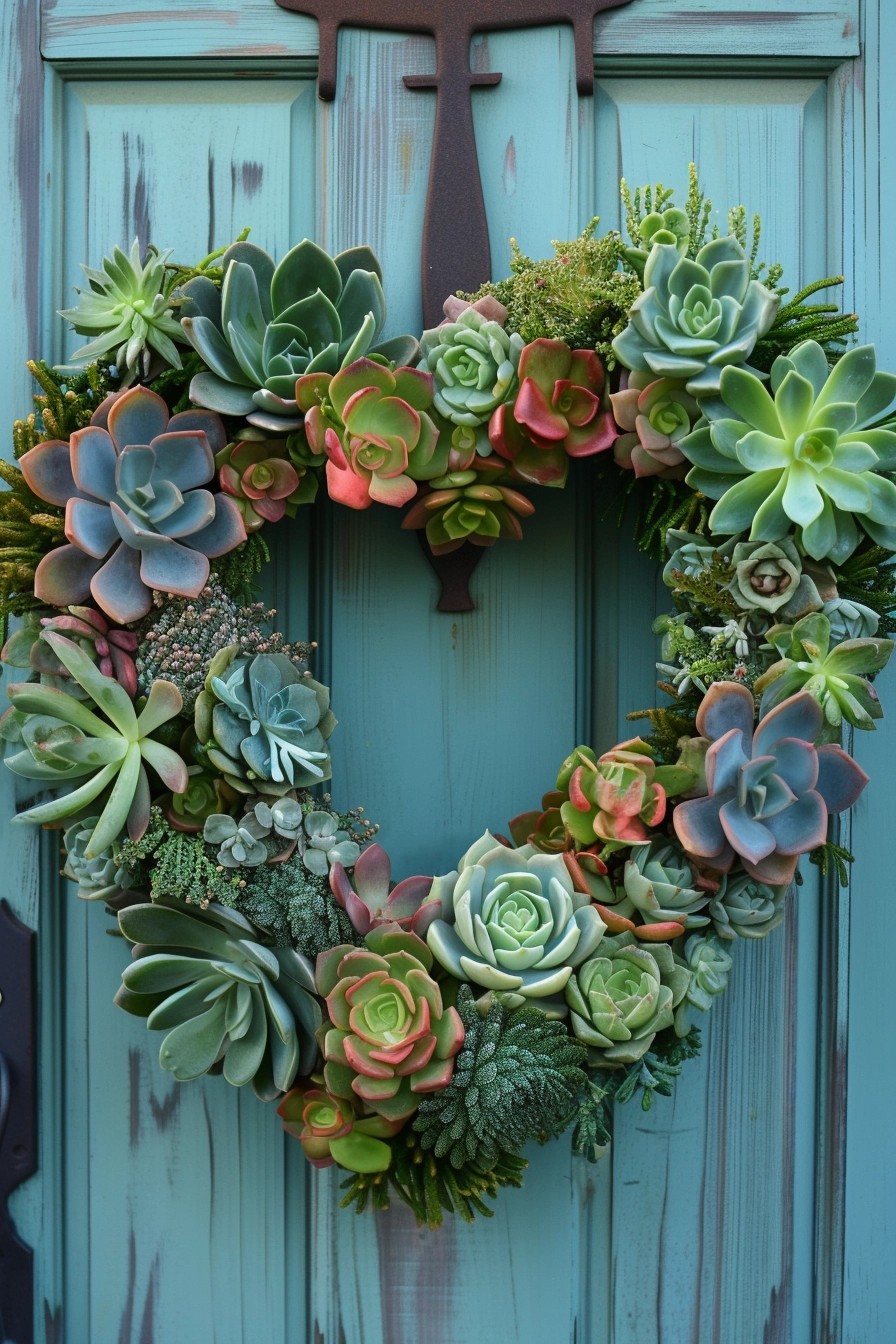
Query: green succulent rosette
x=696, y=317
x=262, y=724
x=622, y=997
x=744, y=907
x=474, y=364
x=661, y=885
x=270, y=324
x=390, y=1038
x=835, y=677
x=223, y=998
x=512, y=921
x=468, y=506
x=809, y=453
x=769, y=576
x=708, y=968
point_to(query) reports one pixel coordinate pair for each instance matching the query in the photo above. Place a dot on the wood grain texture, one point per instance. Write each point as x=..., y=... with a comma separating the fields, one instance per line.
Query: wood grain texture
x=721, y=1216
x=96, y=29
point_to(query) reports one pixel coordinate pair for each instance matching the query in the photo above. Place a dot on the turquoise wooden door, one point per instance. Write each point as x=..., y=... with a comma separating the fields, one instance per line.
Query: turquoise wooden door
x=756, y=1205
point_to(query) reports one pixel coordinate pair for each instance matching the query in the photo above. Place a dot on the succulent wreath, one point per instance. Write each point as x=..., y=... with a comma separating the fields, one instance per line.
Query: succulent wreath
x=419, y=1035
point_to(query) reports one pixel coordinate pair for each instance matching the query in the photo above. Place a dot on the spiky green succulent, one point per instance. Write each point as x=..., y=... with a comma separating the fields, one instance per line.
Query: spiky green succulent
x=516, y=1078
x=810, y=453
x=696, y=317
x=65, y=742
x=127, y=310
x=270, y=324
x=204, y=977
x=836, y=677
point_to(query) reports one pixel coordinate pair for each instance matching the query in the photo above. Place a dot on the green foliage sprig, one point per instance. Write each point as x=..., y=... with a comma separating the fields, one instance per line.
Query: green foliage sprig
x=177, y=865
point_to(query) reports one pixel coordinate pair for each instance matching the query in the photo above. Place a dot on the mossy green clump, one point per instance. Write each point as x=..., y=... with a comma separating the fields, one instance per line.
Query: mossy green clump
x=296, y=908
x=177, y=865
x=580, y=295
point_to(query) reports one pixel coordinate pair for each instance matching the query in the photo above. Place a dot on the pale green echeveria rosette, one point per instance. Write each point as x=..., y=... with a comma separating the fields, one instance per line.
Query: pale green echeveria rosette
x=512, y=922
x=128, y=314
x=708, y=967
x=270, y=324
x=100, y=878
x=770, y=576
x=223, y=998
x=622, y=997
x=661, y=885
x=474, y=364
x=809, y=454
x=696, y=318
x=262, y=724
x=744, y=907
x=67, y=745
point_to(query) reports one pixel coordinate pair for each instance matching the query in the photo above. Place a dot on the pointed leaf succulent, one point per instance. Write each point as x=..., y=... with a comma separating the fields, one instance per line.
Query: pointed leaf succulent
x=369, y=898
x=224, y=998
x=66, y=741
x=808, y=453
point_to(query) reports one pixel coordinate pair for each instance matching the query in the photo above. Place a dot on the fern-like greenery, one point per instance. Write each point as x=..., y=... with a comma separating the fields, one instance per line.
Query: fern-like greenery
x=516, y=1079
x=431, y=1188
x=178, y=865
x=869, y=577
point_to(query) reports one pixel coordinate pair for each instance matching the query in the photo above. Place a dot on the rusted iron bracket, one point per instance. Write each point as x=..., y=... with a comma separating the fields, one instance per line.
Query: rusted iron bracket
x=455, y=247
x=18, y=1119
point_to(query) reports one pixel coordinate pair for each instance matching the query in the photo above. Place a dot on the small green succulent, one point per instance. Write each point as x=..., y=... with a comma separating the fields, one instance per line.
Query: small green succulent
x=128, y=306
x=835, y=677
x=660, y=884
x=696, y=317
x=269, y=325
x=623, y=996
x=743, y=907
x=474, y=363
x=99, y=879
x=708, y=966
x=468, y=506
x=204, y=978
x=262, y=724
x=64, y=741
x=807, y=453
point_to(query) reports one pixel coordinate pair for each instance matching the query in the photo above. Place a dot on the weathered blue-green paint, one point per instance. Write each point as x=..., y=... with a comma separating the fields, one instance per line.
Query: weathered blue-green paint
x=755, y=1206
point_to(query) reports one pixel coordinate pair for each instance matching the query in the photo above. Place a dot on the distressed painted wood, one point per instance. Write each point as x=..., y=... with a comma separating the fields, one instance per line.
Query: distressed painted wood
x=755, y=1205
x=96, y=29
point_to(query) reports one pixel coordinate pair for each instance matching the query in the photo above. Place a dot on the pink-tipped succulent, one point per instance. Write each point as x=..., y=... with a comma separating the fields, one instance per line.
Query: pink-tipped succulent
x=110, y=648
x=770, y=792
x=656, y=414
x=391, y=1038
x=367, y=900
x=620, y=796
x=330, y=1130
x=137, y=517
x=558, y=413
x=374, y=427
x=468, y=506
x=257, y=476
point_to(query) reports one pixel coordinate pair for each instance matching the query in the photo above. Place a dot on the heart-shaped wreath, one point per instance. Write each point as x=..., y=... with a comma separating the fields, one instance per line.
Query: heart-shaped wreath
x=418, y=1035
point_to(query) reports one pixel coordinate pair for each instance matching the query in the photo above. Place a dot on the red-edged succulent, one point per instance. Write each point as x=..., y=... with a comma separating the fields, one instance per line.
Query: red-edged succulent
x=373, y=425
x=260, y=480
x=558, y=413
x=655, y=413
x=618, y=797
x=468, y=506
x=390, y=1038
x=331, y=1130
x=368, y=901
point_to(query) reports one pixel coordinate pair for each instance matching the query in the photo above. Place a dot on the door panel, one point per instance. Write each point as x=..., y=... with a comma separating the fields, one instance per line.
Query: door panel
x=180, y=1212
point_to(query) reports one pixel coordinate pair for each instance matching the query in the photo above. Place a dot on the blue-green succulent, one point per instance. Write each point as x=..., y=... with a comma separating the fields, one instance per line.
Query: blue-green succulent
x=708, y=966
x=746, y=908
x=660, y=883
x=325, y=844
x=474, y=363
x=100, y=878
x=263, y=724
x=623, y=996
x=512, y=921
x=270, y=324
x=241, y=843
x=808, y=453
x=223, y=998
x=696, y=317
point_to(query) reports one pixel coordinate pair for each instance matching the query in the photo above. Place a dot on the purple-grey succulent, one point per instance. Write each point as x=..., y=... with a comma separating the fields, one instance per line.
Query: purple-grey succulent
x=769, y=792
x=137, y=515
